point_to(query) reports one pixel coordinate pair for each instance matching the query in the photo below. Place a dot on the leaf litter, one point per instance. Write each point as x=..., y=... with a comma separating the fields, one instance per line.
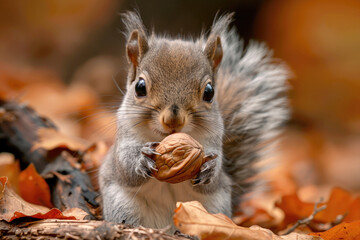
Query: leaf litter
x=280, y=207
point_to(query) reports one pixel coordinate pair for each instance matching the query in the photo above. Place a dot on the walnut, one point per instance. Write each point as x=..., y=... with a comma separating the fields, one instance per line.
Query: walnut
x=180, y=159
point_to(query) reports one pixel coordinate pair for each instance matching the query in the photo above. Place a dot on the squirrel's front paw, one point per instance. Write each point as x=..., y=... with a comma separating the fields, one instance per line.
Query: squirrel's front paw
x=207, y=171
x=147, y=164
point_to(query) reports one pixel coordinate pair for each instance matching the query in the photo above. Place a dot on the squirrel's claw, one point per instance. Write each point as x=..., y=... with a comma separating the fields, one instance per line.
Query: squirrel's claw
x=207, y=171
x=147, y=165
x=210, y=156
x=149, y=149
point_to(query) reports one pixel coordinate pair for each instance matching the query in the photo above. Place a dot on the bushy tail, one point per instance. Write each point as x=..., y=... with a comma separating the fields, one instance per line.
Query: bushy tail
x=251, y=90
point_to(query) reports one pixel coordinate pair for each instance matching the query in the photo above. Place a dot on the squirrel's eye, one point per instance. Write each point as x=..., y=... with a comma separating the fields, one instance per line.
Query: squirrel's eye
x=208, y=93
x=140, y=88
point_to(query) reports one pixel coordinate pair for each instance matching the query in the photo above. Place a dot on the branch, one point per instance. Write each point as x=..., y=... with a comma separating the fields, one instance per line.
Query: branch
x=79, y=229
x=307, y=220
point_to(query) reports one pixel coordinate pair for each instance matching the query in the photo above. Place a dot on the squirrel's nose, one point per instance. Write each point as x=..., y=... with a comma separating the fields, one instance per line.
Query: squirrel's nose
x=171, y=123
x=173, y=119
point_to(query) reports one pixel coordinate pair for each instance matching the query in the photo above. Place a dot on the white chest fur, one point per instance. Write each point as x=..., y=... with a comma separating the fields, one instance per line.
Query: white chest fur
x=156, y=201
x=152, y=204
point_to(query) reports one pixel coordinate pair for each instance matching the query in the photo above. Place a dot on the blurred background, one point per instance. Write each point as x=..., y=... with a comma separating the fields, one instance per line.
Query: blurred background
x=62, y=57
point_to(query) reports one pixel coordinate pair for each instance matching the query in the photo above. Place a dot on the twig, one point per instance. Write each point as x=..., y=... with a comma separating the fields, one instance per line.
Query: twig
x=320, y=227
x=307, y=220
x=339, y=219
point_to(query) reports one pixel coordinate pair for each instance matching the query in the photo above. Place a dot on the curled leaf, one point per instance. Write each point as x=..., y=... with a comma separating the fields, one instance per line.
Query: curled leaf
x=192, y=218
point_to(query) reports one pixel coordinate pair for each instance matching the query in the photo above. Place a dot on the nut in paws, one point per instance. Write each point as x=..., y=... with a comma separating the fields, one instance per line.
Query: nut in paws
x=180, y=159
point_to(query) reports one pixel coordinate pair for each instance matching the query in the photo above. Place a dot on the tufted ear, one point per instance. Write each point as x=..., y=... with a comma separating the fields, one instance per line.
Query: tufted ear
x=136, y=47
x=135, y=32
x=213, y=50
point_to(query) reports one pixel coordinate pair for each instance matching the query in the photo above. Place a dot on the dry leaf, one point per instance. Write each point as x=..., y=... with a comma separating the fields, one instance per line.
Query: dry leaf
x=181, y=158
x=12, y=206
x=33, y=188
x=78, y=213
x=192, y=218
x=53, y=213
x=341, y=231
x=340, y=202
x=258, y=216
x=50, y=139
x=10, y=169
x=259, y=210
x=294, y=209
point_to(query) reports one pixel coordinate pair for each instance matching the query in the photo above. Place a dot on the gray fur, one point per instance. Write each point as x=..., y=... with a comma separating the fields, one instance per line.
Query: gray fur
x=248, y=110
x=256, y=113
x=131, y=22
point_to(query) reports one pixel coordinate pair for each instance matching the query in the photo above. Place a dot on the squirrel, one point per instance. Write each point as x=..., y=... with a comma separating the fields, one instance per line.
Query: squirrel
x=232, y=101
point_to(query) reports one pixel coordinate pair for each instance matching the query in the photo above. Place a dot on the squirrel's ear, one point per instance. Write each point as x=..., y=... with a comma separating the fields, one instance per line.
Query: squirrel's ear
x=213, y=51
x=136, y=47
x=213, y=48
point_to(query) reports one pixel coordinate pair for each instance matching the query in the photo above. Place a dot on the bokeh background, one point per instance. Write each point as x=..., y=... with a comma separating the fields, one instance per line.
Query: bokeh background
x=63, y=58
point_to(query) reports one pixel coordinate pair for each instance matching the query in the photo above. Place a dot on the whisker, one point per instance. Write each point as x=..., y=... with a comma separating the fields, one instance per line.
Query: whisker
x=81, y=112
x=94, y=114
x=116, y=84
x=141, y=107
x=135, y=113
x=199, y=118
x=104, y=130
x=134, y=125
x=207, y=130
x=115, y=96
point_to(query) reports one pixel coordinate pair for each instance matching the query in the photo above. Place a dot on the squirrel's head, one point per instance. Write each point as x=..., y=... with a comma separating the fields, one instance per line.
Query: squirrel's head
x=172, y=82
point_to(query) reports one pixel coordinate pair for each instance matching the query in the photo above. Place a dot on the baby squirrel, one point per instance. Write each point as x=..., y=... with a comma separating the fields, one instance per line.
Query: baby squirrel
x=230, y=100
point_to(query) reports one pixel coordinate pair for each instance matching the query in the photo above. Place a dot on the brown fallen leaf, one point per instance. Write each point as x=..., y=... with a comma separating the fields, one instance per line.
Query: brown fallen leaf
x=33, y=188
x=192, y=218
x=342, y=231
x=259, y=210
x=12, y=206
x=53, y=213
x=257, y=216
x=340, y=202
x=50, y=139
x=10, y=168
x=294, y=209
x=78, y=213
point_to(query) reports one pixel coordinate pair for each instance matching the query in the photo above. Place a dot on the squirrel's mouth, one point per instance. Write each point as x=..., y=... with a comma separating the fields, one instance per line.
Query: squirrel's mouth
x=161, y=133
x=164, y=133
